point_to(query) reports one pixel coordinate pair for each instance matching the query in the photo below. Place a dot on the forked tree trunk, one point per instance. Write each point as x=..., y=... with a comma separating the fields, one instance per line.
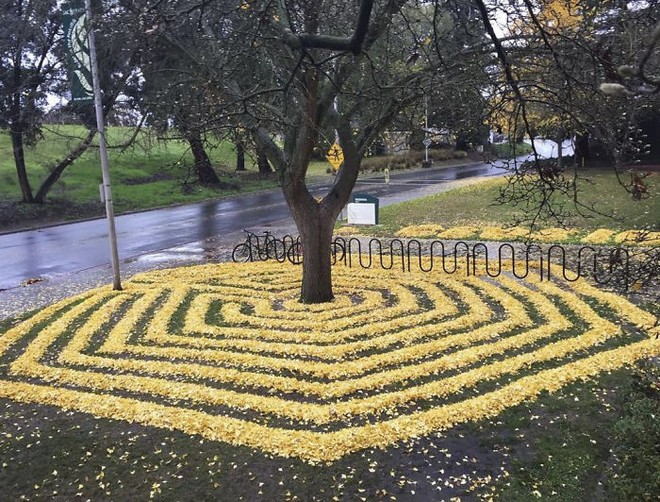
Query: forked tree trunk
x=315, y=221
x=19, y=160
x=57, y=171
x=203, y=168
x=314, y=218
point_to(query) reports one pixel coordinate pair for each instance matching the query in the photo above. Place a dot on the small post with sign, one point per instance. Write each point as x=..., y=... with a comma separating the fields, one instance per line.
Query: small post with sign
x=427, y=141
x=363, y=209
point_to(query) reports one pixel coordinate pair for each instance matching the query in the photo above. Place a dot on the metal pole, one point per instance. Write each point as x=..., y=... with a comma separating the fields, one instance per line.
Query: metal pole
x=426, y=127
x=103, y=151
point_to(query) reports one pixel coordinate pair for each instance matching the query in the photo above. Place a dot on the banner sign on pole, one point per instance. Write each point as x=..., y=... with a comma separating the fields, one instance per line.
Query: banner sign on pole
x=77, y=49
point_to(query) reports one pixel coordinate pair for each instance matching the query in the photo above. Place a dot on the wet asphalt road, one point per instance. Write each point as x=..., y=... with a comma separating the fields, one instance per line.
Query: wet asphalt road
x=74, y=247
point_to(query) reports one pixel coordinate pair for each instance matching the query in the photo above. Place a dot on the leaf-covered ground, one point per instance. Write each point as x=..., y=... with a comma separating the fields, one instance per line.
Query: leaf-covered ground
x=214, y=382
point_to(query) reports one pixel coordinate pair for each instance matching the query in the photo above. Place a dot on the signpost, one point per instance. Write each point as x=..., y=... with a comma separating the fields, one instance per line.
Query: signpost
x=363, y=209
x=427, y=141
x=77, y=50
x=335, y=156
x=85, y=87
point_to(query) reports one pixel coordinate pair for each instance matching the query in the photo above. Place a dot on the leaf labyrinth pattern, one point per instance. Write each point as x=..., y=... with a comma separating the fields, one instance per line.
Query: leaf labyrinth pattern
x=226, y=352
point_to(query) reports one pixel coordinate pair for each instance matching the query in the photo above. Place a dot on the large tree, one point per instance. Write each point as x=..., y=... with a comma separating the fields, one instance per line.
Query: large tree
x=300, y=74
x=297, y=73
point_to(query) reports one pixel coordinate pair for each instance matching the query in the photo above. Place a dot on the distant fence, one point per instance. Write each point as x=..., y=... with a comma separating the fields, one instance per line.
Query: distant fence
x=619, y=267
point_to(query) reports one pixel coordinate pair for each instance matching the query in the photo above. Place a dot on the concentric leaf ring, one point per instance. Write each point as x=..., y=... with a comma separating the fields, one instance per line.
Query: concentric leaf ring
x=227, y=352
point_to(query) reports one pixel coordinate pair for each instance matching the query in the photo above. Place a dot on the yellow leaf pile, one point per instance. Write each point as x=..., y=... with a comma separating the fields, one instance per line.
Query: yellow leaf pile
x=600, y=236
x=548, y=235
x=226, y=352
x=638, y=237
x=347, y=230
x=426, y=230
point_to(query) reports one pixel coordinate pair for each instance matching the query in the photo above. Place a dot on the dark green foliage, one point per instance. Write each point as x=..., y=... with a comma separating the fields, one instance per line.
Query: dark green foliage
x=408, y=160
x=509, y=150
x=635, y=474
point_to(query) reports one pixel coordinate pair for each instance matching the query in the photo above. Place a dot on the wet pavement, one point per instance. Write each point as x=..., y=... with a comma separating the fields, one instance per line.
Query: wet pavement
x=43, y=266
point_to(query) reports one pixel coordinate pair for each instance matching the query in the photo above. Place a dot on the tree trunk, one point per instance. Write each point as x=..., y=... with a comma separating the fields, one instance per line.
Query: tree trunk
x=262, y=161
x=582, y=149
x=203, y=168
x=57, y=171
x=315, y=229
x=240, y=156
x=17, y=125
x=19, y=161
x=316, y=220
x=560, y=154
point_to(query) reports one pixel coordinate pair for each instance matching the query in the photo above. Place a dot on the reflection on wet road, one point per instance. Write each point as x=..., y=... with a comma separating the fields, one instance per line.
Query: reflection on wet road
x=78, y=246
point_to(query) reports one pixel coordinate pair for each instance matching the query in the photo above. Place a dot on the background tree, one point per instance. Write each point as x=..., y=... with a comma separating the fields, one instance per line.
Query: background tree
x=549, y=84
x=28, y=71
x=177, y=102
x=298, y=73
x=239, y=146
x=32, y=55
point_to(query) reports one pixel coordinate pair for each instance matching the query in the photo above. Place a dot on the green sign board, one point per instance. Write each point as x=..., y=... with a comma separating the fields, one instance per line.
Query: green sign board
x=77, y=48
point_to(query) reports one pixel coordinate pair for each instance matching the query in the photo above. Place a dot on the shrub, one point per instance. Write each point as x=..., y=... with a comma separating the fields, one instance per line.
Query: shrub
x=509, y=150
x=636, y=471
x=408, y=160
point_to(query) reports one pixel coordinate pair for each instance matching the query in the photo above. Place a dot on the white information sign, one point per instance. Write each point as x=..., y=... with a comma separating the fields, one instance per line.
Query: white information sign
x=361, y=214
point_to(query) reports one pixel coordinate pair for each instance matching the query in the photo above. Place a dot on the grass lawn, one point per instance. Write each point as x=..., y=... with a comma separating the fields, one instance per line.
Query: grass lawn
x=406, y=387
x=475, y=207
x=152, y=173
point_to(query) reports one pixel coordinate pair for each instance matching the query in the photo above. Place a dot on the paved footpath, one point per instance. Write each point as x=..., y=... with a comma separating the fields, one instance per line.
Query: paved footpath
x=215, y=249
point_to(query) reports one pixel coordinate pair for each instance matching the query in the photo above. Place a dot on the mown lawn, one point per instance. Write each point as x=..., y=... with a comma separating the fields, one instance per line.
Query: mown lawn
x=151, y=173
x=148, y=158
x=476, y=206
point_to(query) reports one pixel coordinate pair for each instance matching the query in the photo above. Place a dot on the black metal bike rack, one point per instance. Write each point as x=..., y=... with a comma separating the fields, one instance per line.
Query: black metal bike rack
x=603, y=265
